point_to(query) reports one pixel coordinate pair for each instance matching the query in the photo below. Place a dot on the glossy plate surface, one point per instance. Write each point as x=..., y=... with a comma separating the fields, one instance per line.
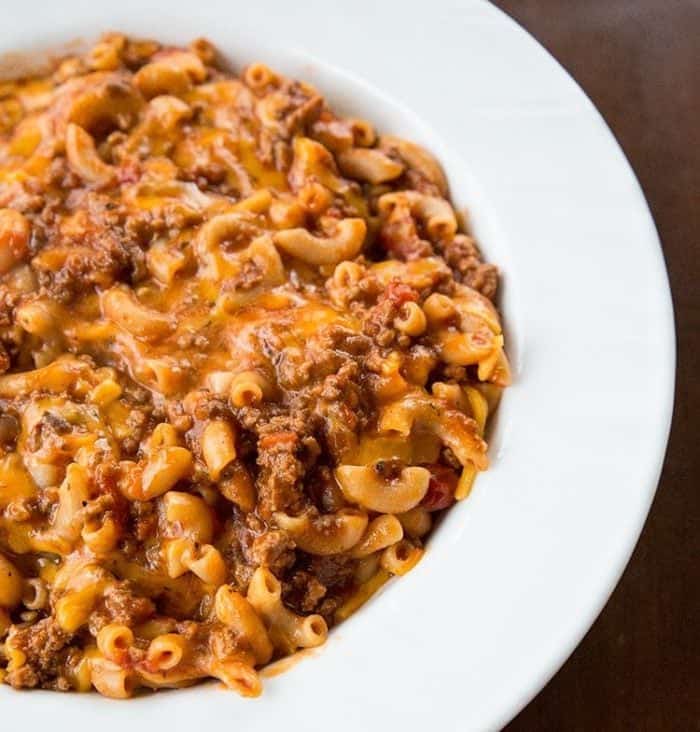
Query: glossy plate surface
x=515, y=575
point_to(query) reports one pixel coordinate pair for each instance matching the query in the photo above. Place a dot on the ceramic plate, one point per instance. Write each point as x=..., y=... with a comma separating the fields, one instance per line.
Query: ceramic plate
x=515, y=575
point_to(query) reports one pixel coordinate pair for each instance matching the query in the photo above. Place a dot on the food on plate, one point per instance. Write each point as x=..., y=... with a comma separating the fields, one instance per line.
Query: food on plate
x=247, y=352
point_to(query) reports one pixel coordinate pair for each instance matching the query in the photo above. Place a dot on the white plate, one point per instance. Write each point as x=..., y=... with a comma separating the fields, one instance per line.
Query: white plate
x=515, y=575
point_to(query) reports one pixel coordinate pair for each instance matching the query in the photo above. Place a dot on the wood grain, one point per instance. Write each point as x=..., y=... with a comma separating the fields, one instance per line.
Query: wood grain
x=638, y=669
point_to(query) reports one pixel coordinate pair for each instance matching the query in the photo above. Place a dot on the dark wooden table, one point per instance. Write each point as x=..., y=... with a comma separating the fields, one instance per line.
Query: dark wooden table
x=638, y=668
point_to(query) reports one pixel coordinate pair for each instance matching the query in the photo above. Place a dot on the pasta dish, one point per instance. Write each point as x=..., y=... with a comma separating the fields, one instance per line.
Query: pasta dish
x=247, y=352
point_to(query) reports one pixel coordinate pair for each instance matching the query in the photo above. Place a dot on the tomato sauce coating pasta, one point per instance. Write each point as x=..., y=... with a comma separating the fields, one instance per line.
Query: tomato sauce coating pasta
x=246, y=353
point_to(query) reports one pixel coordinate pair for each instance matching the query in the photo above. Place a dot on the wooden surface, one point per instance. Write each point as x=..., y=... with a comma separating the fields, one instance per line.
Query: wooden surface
x=638, y=668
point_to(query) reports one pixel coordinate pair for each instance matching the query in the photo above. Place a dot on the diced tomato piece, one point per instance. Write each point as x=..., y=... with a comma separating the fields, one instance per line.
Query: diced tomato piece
x=283, y=440
x=441, y=489
x=399, y=293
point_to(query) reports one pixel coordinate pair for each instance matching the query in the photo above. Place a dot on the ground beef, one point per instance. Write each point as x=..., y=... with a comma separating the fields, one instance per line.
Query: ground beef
x=343, y=385
x=247, y=542
x=334, y=572
x=332, y=401
x=124, y=606
x=143, y=519
x=357, y=294
x=303, y=110
x=95, y=250
x=48, y=430
x=273, y=549
x=378, y=324
x=319, y=584
x=303, y=592
x=121, y=605
x=293, y=368
x=322, y=358
x=140, y=421
x=341, y=340
x=278, y=481
x=415, y=180
x=5, y=360
x=177, y=417
x=483, y=278
x=203, y=405
x=101, y=266
x=295, y=107
x=9, y=430
x=24, y=677
x=464, y=257
x=235, y=536
x=323, y=490
x=324, y=354
x=45, y=646
x=8, y=301
x=250, y=275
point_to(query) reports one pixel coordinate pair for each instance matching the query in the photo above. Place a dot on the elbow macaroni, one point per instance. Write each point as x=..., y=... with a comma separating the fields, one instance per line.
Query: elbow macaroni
x=288, y=631
x=327, y=534
x=245, y=356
